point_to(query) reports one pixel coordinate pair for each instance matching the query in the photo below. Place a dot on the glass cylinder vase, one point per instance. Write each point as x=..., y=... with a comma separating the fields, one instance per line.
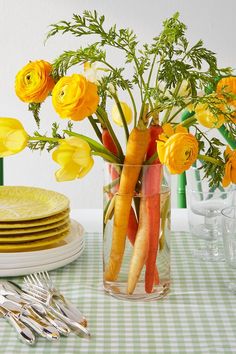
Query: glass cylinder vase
x=136, y=234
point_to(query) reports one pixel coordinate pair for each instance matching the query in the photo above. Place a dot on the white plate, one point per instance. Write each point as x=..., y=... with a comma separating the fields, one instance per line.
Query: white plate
x=72, y=241
x=21, y=263
x=49, y=266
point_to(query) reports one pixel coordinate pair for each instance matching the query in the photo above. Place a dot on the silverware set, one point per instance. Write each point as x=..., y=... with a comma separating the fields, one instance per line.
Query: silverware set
x=38, y=308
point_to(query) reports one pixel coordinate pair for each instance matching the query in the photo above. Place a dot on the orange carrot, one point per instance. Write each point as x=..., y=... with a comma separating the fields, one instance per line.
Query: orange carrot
x=136, y=150
x=140, y=250
x=133, y=224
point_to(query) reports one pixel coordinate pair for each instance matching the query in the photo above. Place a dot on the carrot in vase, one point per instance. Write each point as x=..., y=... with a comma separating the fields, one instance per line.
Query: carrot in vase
x=148, y=223
x=136, y=151
x=132, y=226
x=152, y=182
x=140, y=251
x=109, y=144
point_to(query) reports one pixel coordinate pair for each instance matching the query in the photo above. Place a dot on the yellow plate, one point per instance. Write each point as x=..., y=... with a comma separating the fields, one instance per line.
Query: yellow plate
x=33, y=223
x=50, y=242
x=34, y=236
x=29, y=203
x=32, y=230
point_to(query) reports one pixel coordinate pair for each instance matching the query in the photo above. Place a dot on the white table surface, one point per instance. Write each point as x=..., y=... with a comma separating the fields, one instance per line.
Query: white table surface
x=91, y=219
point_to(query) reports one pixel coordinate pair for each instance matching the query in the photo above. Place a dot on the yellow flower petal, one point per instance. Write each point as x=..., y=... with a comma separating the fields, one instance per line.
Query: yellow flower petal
x=34, y=81
x=179, y=152
x=206, y=118
x=74, y=156
x=75, y=97
x=116, y=114
x=230, y=167
x=13, y=137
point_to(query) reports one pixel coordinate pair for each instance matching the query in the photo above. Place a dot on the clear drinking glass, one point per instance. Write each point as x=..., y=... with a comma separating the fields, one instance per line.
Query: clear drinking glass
x=149, y=222
x=204, y=214
x=229, y=238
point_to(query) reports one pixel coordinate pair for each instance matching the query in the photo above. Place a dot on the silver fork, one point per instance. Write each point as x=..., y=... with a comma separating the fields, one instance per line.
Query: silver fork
x=39, y=287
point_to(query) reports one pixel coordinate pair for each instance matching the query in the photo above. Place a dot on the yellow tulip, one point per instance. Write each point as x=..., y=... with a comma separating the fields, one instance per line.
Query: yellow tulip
x=116, y=114
x=178, y=149
x=74, y=156
x=207, y=118
x=75, y=97
x=230, y=167
x=13, y=137
x=34, y=81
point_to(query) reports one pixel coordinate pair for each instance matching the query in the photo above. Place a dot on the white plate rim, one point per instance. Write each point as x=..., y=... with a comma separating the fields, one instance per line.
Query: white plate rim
x=22, y=263
x=46, y=267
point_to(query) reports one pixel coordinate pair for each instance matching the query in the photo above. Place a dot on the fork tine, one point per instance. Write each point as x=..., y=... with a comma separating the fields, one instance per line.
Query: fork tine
x=46, y=278
x=38, y=278
x=35, y=287
x=35, y=294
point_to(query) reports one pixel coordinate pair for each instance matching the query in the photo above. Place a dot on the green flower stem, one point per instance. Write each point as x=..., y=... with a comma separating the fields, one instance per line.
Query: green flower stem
x=176, y=91
x=45, y=138
x=128, y=90
x=175, y=114
x=105, y=156
x=210, y=159
x=101, y=113
x=95, y=127
x=108, y=187
x=122, y=116
x=98, y=149
x=188, y=122
x=149, y=79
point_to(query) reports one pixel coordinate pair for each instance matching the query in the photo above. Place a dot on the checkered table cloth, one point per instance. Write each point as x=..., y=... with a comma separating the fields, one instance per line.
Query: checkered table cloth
x=199, y=316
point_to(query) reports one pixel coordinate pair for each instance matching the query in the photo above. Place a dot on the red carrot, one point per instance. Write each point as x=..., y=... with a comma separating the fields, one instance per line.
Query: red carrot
x=108, y=142
x=152, y=180
x=132, y=226
x=155, y=131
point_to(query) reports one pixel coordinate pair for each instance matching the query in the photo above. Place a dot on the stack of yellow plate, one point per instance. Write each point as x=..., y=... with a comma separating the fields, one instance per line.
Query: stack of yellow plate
x=33, y=220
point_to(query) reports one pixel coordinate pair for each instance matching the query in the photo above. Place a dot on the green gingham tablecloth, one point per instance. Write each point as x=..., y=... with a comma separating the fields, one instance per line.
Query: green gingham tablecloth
x=199, y=316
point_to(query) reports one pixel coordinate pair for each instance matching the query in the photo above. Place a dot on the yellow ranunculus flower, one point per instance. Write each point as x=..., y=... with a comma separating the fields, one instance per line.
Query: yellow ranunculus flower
x=230, y=167
x=13, y=137
x=74, y=156
x=75, y=97
x=116, y=114
x=177, y=149
x=207, y=118
x=34, y=81
x=227, y=85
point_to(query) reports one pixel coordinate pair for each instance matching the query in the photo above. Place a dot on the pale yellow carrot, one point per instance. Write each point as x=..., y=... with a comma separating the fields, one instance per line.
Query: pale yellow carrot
x=140, y=250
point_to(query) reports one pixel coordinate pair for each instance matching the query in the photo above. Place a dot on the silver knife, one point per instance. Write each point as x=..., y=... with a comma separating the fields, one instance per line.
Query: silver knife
x=24, y=333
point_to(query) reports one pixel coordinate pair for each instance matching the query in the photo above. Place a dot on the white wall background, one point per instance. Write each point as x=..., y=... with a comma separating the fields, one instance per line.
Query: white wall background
x=23, y=25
